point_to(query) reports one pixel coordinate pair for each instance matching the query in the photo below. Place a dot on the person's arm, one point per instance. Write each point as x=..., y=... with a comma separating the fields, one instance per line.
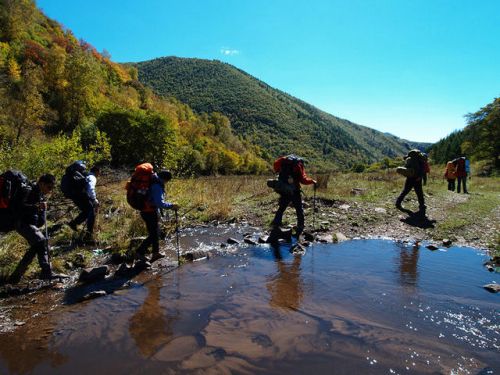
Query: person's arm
x=91, y=183
x=277, y=164
x=158, y=197
x=303, y=178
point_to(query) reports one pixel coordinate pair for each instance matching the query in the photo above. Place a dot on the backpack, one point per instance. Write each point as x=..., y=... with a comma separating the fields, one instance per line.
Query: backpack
x=414, y=165
x=138, y=188
x=14, y=185
x=74, y=180
x=285, y=183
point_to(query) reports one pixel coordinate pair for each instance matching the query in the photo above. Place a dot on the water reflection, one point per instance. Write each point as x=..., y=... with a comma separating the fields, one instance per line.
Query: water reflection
x=27, y=348
x=149, y=326
x=408, y=266
x=286, y=287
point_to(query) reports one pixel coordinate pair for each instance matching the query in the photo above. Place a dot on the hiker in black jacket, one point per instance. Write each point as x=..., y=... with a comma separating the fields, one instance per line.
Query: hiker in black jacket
x=27, y=217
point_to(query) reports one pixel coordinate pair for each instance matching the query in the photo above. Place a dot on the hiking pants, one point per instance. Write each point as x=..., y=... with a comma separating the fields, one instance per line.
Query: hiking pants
x=152, y=225
x=462, y=181
x=87, y=213
x=413, y=183
x=284, y=201
x=451, y=184
x=38, y=246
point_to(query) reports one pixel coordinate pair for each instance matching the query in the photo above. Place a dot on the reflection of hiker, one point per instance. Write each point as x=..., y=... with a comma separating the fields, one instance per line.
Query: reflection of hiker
x=286, y=287
x=450, y=173
x=149, y=326
x=463, y=168
x=408, y=266
x=146, y=192
x=414, y=171
x=79, y=186
x=26, y=214
x=427, y=168
x=291, y=175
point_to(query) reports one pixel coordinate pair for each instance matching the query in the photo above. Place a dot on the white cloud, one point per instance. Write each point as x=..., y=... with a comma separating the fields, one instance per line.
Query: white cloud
x=229, y=51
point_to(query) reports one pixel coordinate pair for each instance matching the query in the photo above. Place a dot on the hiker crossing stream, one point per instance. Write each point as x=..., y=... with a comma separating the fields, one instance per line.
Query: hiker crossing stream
x=361, y=306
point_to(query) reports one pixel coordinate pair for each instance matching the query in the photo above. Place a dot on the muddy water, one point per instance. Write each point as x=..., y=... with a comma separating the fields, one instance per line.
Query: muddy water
x=366, y=307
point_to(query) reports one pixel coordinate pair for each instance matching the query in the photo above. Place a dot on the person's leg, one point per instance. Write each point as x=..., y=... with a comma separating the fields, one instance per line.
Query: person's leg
x=299, y=209
x=141, y=250
x=151, y=220
x=453, y=185
x=465, y=185
x=38, y=245
x=459, y=180
x=283, y=203
x=417, y=185
x=406, y=189
x=85, y=207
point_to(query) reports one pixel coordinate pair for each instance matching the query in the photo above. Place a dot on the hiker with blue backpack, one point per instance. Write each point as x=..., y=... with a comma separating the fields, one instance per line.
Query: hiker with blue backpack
x=23, y=207
x=291, y=174
x=146, y=193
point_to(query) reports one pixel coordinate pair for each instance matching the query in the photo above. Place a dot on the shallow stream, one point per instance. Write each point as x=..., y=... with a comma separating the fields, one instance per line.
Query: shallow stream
x=363, y=306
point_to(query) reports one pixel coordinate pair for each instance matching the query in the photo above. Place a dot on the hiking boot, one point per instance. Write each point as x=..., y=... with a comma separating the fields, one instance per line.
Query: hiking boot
x=157, y=256
x=141, y=257
x=398, y=206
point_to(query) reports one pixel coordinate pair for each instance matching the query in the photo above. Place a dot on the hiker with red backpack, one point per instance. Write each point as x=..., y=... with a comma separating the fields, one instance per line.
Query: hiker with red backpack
x=291, y=174
x=463, y=169
x=146, y=193
x=23, y=208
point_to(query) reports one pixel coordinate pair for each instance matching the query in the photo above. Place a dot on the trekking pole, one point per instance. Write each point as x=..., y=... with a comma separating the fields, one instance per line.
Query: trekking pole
x=46, y=234
x=177, y=237
x=314, y=208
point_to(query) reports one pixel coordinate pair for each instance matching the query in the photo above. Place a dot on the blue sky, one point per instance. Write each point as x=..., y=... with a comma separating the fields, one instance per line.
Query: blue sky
x=413, y=68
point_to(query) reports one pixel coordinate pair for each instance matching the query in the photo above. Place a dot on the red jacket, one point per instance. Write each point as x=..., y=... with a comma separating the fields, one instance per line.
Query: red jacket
x=299, y=173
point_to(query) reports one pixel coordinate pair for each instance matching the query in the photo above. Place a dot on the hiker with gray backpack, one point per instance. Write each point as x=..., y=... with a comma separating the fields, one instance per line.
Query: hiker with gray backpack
x=79, y=186
x=414, y=171
x=23, y=208
x=291, y=174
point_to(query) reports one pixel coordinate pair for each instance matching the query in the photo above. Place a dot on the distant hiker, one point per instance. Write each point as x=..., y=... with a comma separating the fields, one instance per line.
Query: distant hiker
x=414, y=171
x=291, y=174
x=146, y=193
x=463, y=168
x=23, y=209
x=79, y=186
x=427, y=168
x=450, y=173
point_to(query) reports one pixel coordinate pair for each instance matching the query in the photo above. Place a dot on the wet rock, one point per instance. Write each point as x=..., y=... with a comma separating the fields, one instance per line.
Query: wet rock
x=308, y=236
x=124, y=270
x=278, y=234
x=493, y=288
x=496, y=260
x=195, y=255
x=447, y=242
x=305, y=243
x=325, y=238
x=298, y=249
x=432, y=247
x=490, y=267
x=262, y=340
x=263, y=239
x=380, y=210
x=90, y=275
x=93, y=295
x=232, y=241
x=69, y=265
x=341, y=237
x=249, y=241
x=141, y=265
x=177, y=349
x=223, y=245
x=325, y=223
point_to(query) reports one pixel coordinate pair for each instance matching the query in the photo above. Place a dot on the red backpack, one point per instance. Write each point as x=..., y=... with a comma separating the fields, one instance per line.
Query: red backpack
x=138, y=188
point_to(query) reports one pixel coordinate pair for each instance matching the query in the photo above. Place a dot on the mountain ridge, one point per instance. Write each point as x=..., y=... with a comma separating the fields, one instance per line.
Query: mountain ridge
x=269, y=117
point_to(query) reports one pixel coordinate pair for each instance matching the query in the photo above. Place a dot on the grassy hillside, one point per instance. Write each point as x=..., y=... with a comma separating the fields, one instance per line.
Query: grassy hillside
x=274, y=120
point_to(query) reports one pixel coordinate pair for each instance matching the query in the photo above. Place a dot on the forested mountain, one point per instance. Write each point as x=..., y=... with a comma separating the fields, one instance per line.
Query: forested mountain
x=61, y=100
x=479, y=140
x=272, y=119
